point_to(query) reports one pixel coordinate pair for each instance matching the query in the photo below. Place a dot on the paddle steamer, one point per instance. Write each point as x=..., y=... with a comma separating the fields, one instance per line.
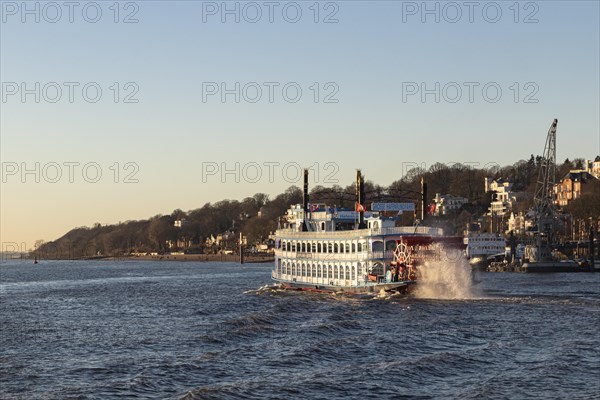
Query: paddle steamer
x=324, y=249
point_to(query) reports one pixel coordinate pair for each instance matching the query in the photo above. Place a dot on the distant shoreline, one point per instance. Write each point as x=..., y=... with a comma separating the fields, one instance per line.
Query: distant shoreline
x=168, y=257
x=202, y=258
x=187, y=257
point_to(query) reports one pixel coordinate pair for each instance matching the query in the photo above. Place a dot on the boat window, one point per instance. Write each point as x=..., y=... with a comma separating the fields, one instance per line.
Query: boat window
x=378, y=246
x=390, y=245
x=378, y=268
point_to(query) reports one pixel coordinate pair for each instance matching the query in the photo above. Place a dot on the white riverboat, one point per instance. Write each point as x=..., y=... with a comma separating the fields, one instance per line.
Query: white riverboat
x=319, y=248
x=480, y=246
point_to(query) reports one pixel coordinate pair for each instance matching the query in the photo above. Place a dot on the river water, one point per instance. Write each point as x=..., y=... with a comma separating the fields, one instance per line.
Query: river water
x=104, y=330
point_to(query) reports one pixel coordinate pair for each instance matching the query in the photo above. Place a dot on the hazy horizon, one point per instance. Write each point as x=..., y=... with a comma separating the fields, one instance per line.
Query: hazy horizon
x=123, y=113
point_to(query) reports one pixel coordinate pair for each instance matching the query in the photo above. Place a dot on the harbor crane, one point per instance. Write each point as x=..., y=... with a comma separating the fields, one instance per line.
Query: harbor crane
x=545, y=215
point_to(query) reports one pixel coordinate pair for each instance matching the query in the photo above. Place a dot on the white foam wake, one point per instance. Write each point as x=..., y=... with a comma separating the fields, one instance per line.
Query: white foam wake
x=446, y=280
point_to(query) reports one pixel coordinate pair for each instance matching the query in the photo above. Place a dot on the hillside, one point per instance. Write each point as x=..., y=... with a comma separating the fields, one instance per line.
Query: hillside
x=257, y=216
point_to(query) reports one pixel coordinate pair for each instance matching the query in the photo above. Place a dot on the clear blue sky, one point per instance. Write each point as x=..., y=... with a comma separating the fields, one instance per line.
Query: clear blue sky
x=374, y=54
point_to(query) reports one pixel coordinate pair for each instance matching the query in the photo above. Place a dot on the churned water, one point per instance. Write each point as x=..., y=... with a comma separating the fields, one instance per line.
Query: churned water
x=447, y=280
x=110, y=330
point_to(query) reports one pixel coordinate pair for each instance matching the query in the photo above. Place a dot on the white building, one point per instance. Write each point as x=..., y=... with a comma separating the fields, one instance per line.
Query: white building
x=180, y=222
x=448, y=204
x=518, y=223
x=593, y=167
x=504, y=198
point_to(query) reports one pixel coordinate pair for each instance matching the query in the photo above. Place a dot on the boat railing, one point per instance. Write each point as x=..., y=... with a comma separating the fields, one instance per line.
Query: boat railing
x=382, y=254
x=362, y=256
x=397, y=230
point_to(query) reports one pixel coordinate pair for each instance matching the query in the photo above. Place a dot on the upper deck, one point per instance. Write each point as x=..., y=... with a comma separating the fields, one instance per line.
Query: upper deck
x=291, y=233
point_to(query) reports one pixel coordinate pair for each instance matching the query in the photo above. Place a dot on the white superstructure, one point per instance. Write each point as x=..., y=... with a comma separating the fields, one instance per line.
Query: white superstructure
x=482, y=245
x=332, y=252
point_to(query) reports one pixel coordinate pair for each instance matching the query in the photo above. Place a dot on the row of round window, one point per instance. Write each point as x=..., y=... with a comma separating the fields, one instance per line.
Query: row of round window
x=319, y=271
x=323, y=247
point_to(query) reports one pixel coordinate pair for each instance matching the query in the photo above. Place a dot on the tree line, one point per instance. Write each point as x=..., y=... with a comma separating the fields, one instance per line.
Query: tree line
x=258, y=216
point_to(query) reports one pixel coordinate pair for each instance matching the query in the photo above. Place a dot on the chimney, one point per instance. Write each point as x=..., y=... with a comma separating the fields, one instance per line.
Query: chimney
x=360, y=199
x=305, y=202
x=423, y=199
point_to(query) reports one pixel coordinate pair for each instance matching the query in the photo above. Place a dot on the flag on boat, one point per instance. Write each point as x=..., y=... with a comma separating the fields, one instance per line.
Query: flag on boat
x=432, y=209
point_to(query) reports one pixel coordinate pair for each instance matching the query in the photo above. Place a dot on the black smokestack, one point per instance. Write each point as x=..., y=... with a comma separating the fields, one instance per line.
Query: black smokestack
x=423, y=199
x=305, y=202
x=360, y=199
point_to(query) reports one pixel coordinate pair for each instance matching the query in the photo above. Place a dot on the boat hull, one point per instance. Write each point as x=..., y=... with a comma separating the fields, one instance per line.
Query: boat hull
x=550, y=267
x=400, y=287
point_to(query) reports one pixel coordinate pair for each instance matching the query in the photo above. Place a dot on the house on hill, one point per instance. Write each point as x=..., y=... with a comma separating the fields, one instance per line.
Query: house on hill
x=572, y=186
x=504, y=199
x=593, y=167
x=447, y=204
